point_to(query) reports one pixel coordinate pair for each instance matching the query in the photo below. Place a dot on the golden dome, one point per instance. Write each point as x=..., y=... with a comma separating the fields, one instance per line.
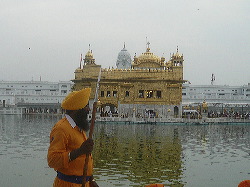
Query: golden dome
x=177, y=55
x=148, y=60
x=204, y=104
x=148, y=56
x=89, y=58
x=89, y=55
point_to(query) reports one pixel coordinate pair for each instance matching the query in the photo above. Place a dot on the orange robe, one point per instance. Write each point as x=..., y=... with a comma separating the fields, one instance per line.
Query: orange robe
x=63, y=139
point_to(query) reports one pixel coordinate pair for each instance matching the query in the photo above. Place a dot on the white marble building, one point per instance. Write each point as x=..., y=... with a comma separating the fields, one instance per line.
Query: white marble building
x=14, y=93
x=215, y=94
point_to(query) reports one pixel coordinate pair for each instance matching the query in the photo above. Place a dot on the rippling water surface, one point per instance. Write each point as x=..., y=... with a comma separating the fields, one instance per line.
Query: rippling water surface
x=131, y=155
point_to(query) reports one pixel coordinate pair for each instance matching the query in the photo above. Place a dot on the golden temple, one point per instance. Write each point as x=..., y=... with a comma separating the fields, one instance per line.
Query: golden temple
x=147, y=86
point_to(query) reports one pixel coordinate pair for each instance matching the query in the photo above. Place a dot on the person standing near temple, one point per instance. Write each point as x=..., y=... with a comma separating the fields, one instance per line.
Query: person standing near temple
x=69, y=144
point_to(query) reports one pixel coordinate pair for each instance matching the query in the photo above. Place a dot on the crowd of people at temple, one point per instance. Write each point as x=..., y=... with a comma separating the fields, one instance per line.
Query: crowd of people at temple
x=231, y=114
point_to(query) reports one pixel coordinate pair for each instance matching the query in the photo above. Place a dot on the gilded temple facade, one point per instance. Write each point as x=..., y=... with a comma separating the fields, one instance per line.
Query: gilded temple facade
x=150, y=87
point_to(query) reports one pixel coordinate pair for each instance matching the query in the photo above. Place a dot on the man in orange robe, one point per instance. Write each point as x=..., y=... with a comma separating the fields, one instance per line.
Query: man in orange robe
x=69, y=144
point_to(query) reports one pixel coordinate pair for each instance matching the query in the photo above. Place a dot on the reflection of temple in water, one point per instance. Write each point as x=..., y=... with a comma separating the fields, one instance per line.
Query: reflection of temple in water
x=150, y=86
x=142, y=155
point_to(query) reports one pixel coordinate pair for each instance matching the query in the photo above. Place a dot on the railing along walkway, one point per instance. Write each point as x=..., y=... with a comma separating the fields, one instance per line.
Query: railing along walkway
x=172, y=120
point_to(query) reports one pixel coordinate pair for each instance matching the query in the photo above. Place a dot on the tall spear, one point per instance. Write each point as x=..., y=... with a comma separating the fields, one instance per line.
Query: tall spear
x=85, y=168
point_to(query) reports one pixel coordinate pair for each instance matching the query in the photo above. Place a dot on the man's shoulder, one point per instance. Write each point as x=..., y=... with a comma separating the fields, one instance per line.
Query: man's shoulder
x=62, y=124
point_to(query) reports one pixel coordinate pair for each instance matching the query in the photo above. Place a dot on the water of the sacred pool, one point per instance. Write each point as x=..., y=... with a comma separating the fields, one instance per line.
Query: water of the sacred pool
x=131, y=154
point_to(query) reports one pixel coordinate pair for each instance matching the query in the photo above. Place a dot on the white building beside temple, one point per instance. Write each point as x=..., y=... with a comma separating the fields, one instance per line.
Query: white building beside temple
x=25, y=93
x=216, y=94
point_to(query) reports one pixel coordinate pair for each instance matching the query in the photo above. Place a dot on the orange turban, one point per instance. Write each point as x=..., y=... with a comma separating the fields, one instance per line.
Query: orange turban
x=76, y=100
x=245, y=183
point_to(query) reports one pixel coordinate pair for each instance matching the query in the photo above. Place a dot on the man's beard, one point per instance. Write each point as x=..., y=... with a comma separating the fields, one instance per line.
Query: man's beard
x=81, y=120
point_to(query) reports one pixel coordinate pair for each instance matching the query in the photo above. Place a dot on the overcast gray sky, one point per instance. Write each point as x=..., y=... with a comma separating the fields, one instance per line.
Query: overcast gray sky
x=46, y=37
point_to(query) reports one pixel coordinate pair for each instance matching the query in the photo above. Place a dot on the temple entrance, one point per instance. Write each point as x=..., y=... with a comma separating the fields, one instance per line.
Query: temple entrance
x=109, y=110
x=150, y=114
x=176, y=111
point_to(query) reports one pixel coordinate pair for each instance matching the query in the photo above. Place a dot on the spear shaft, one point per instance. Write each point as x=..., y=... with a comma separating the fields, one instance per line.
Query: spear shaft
x=91, y=131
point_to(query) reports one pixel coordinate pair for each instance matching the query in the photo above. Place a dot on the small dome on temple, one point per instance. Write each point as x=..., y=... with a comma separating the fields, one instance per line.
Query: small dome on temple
x=89, y=55
x=177, y=55
x=163, y=59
